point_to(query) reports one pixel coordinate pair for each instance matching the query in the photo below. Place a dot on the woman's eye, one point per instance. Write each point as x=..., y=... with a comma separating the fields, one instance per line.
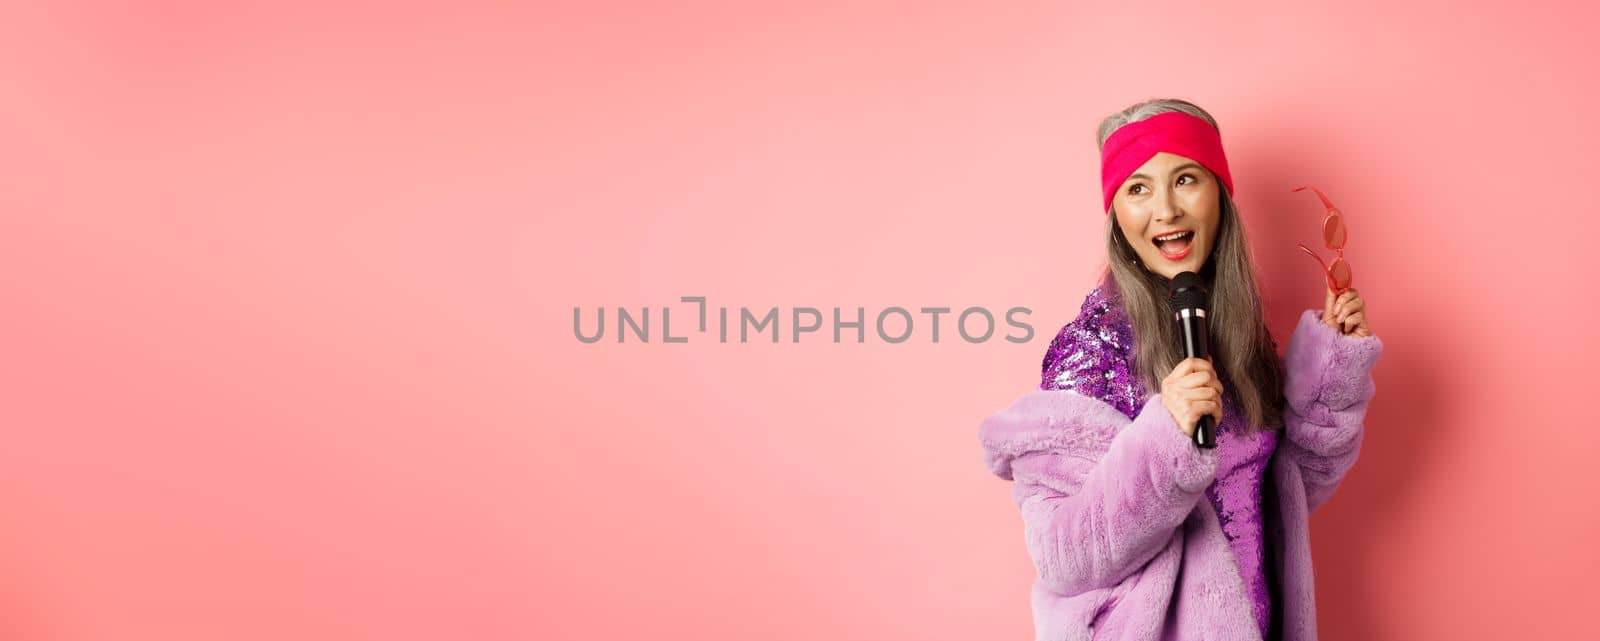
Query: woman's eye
x=1189, y=176
x=1134, y=188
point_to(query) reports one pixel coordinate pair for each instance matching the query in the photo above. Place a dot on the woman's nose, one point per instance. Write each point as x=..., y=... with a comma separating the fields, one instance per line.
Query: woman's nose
x=1166, y=209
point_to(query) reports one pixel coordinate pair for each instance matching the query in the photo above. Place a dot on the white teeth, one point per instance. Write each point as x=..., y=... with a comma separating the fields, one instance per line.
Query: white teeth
x=1170, y=236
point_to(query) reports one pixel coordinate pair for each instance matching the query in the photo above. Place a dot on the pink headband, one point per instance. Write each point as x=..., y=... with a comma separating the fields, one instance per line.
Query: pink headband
x=1174, y=132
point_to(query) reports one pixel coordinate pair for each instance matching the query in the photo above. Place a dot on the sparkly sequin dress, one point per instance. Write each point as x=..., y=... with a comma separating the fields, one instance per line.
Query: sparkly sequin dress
x=1092, y=355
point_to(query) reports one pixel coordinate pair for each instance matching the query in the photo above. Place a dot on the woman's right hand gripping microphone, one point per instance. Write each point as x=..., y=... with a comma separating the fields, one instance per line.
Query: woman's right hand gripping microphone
x=1192, y=390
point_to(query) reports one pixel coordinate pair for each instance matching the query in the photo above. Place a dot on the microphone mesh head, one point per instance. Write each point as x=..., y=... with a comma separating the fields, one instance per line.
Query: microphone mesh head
x=1188, y=292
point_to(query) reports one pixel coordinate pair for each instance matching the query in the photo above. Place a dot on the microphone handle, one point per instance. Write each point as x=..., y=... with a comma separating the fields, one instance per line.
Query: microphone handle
x=1192, y=326
x=1205, y=435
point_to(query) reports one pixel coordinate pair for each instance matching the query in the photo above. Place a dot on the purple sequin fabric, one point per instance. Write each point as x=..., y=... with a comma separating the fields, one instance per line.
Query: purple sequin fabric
x=1092, y=356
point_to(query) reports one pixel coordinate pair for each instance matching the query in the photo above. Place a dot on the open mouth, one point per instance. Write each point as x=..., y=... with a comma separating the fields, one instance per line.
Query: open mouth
x=1175, y=246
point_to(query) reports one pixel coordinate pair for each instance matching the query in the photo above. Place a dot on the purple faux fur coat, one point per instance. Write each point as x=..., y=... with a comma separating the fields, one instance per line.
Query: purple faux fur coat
x=1114, y=514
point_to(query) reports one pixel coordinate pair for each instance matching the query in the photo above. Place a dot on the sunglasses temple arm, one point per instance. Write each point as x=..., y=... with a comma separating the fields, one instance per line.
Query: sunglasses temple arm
x=1325, y=271
x=1325, y=202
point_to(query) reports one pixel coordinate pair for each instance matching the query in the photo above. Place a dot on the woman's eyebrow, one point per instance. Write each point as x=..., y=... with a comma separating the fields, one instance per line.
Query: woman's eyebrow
x=1187, y=165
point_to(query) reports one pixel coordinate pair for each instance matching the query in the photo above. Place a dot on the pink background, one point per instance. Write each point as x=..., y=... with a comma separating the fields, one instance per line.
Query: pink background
x=288, y=350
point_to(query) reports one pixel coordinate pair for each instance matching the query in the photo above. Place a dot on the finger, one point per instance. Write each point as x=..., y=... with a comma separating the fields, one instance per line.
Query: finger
x=1355, y=320
x=1181, y=368
x=1330, y=318
x=1327, y=306
x=1195, y=380
x=1350, y=310
x=1191, y=365
x=1199, y=394
x=1346, y=324
x=1343, y=306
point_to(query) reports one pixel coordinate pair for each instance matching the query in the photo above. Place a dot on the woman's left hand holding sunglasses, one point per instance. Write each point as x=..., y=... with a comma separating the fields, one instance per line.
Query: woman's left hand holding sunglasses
x=1346, y=313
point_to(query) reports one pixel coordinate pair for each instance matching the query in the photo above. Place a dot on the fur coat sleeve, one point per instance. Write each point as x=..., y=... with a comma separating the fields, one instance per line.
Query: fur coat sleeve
x=1328, y=382
x=1099, y=494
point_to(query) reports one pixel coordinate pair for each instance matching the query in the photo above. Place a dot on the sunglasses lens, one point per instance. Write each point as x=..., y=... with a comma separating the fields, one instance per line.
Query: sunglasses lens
x=1340, y=271
x=1333, y=231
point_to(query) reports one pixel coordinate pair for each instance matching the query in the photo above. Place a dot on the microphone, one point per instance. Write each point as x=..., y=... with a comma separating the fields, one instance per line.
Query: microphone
x=1188, y=301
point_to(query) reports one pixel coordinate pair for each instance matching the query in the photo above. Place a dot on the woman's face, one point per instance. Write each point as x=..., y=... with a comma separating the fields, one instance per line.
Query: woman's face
x=1168, y=194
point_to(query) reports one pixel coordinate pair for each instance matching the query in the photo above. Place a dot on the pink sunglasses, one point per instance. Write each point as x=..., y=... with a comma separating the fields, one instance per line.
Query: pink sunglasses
x=1334, y=235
